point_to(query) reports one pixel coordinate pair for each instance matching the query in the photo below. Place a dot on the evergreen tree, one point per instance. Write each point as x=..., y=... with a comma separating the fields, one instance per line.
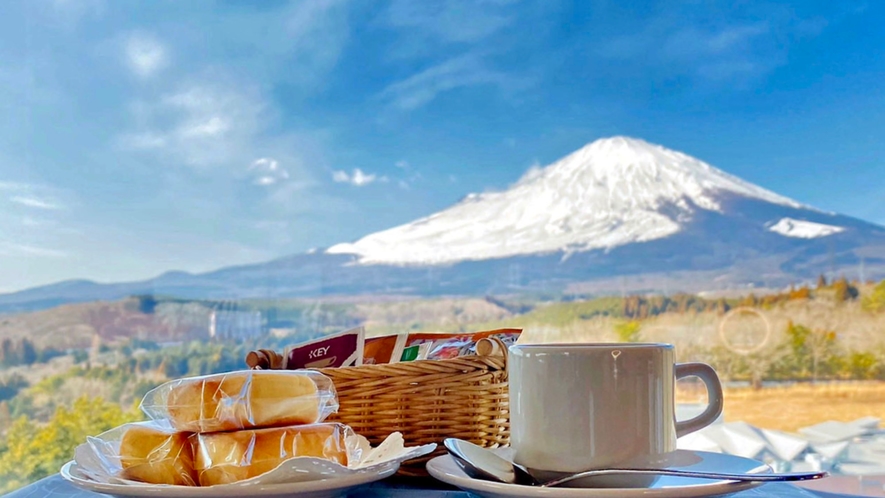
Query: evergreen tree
x=8, y=354
x=750, y=301
x=801, y=293
x=28, y=352
x=843, y=291
x=5, y=416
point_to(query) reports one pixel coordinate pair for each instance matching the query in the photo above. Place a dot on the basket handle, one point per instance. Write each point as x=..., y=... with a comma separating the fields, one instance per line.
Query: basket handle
x=491, y=346
x=264, y=359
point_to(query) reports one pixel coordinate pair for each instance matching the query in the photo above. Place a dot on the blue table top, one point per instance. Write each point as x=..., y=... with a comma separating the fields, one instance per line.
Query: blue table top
x=57, y=487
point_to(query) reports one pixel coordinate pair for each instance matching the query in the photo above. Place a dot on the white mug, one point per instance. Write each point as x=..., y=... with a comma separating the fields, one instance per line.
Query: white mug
x=576, y=407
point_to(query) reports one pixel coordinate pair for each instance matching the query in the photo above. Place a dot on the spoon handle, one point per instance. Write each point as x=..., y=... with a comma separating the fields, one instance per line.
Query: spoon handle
x=787, y=476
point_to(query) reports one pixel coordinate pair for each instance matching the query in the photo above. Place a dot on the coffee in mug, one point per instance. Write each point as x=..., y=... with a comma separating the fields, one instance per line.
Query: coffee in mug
x=577, y=407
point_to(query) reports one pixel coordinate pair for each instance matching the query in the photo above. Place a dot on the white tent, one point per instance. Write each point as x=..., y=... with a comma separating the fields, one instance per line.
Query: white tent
x=831, y=431
x=854, y=448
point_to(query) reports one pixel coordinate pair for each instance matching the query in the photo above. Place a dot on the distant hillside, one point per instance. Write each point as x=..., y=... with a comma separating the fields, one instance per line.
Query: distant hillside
x=618, y=215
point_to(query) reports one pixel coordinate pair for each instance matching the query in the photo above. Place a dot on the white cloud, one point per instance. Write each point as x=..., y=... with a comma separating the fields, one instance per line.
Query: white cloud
x=267, y=171
x=211, y=126
x=358, y=178
x=146, y=140
x=402, y=164
x=69, y=13
x=34, y=202
x=145, y=55
x=464, y=71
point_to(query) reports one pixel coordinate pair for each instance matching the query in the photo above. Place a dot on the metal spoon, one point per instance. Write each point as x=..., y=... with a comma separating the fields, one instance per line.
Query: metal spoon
x=480, y=463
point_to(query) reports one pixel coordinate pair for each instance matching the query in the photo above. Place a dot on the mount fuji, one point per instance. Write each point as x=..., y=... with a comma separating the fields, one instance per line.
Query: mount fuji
x=617, y=215
x=610, y=193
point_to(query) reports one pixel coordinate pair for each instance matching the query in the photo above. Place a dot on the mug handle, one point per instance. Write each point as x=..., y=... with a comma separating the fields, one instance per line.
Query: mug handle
x=714, y=395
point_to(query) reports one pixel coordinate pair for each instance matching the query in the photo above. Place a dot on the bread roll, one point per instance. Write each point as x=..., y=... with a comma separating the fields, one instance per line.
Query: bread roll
x=227, y=457
x=153, y=456
x=244, y=400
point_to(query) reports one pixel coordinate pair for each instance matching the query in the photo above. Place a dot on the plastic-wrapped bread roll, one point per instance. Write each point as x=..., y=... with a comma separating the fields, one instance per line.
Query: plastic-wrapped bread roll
x=244, y=399
x=227, y=457
x=152, y=455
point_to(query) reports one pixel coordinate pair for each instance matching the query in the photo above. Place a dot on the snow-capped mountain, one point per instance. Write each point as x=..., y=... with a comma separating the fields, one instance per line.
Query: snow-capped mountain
x=610, y=193
x=618, y=215
x=804, y=229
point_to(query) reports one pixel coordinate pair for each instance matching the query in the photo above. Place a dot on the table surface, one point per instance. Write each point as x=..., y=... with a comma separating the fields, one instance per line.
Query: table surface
x=57, y=487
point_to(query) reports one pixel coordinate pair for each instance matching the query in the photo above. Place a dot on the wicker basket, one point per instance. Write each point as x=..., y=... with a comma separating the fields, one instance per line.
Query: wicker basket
x=427, y=401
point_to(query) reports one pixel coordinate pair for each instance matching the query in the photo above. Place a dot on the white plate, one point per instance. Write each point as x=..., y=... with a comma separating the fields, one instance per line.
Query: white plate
x=445, y=469
x=324, y=488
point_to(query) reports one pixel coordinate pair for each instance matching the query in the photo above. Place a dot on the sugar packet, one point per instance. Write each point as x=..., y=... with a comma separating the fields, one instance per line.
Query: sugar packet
x=341, y=349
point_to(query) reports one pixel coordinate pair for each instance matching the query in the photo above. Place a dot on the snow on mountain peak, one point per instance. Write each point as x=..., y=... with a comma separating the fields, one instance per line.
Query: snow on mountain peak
x=803, y=229
x=611, y=192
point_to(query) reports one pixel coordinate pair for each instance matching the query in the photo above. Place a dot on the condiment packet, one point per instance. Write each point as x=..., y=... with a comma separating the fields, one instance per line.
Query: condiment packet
x=416, y=352
x=342, y=349
x=384, y=349
x=453, y=345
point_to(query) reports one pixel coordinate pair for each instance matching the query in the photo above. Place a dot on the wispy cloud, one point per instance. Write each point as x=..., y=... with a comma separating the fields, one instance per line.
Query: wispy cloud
x=713, y=53
x=315, y=35
x=450, y=21
x=32, y=196
x=201, y=124
x=683, y=43
x=34, y=202
x=145, y=54
x=691, y=43
x=14, y=186
x=16, y=249
x=461, y=72
x=69, y=13
x=358, y=178
x=29, y=220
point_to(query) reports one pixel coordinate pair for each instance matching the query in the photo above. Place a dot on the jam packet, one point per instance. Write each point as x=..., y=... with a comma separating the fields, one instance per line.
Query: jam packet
x=385, y=349
x=452, y=345
x=342, y=349
x=416, y=352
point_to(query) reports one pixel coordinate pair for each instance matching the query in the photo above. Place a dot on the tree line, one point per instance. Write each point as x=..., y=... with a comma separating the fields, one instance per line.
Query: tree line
x=24, y=352
x=839, y=290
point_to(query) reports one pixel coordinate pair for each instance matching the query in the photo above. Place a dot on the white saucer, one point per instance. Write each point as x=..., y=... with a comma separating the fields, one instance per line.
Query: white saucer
x=446, y=470
x=324, y=488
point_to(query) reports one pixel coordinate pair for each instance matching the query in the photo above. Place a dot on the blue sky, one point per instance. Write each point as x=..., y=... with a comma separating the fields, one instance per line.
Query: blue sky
x=140, y=137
